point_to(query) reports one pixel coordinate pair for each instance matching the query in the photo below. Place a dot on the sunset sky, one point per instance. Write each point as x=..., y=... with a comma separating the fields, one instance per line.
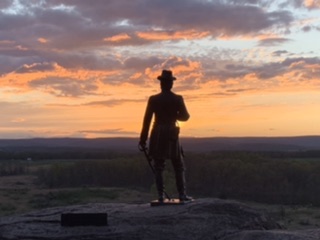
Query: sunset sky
x=85, y=68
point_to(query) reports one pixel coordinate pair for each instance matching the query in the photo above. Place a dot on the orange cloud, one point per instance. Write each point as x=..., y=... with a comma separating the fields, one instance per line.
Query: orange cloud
x=312, y=3
x=117, y=38
x=189, y=68
x=42, y=40
x=18, y=120
x=167, y=35
x=135, y=76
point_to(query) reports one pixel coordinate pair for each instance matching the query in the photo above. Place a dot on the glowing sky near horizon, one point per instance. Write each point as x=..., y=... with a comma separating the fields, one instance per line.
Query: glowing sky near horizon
x=79, y=68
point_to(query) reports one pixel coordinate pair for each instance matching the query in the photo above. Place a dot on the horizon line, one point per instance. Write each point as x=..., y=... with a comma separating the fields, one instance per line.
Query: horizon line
x=182, y=137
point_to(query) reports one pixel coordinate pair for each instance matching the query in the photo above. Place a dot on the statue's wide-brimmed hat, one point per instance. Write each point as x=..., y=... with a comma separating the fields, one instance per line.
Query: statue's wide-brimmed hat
x=166, y=75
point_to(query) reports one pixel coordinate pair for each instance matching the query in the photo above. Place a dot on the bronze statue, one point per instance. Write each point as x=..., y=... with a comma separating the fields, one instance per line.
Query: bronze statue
x=167, y=108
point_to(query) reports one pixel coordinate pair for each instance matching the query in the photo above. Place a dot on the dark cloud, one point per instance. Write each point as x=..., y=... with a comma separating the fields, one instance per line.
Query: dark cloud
x=19, y=58
x=229, y=71
x=129, y=75
x=72, y=33
x=189, y=82
x=36, y=67
x=117, y=78
x=291, y=3
x=17, y=51
x=273, y=41
x=88, y=24
x=279, y=53
x=7, y=65
x=240, y=90
x=214, y=70
x=84, y=60
x=173, y=62
x=311, y=61
x=5, y=4
x=306, y=28
x=308, y=67
x=13, y=23
x=271, y=70
x=141, y=63
x=222, y=94
x=65, y=87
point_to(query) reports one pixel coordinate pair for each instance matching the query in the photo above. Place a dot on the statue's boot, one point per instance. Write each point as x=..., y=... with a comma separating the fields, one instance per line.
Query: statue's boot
x=181, y=187
x=185, y=198
x=159, y=185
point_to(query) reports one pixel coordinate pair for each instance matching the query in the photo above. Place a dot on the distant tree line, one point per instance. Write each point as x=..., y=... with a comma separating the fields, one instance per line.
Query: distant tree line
x=118, y=172
x=49, y=153
x=10, y=168
x=236, y=175
x=252, y=176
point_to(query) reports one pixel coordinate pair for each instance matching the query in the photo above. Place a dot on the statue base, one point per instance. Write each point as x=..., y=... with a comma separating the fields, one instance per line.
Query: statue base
x=169, y=202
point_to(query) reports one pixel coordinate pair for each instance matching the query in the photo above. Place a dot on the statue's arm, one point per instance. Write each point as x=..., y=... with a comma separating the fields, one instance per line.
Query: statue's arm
x=146, y=122
x=183, y=114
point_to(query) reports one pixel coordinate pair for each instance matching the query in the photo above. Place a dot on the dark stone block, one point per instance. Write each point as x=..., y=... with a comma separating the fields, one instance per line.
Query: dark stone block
x=84, y=219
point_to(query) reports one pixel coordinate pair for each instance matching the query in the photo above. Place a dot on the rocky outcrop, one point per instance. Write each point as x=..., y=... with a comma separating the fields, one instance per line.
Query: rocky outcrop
x=203, y=219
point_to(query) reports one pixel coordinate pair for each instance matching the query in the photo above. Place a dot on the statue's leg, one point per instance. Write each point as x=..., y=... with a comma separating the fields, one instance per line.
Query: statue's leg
x=178, y=166
x=179, y=169
x=159, y=165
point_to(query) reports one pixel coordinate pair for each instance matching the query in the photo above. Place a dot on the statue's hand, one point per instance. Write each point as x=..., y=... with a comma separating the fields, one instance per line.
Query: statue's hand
x=142, y=145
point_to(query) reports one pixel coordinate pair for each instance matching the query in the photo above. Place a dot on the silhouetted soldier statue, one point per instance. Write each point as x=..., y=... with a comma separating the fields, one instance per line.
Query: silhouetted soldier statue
x=167, y=107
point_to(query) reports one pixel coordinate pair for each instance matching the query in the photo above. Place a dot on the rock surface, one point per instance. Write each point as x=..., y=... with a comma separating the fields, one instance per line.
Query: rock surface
x=203, y=219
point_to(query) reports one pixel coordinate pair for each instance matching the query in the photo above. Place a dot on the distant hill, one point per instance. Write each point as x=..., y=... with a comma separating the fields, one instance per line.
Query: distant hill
x=302, y=143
